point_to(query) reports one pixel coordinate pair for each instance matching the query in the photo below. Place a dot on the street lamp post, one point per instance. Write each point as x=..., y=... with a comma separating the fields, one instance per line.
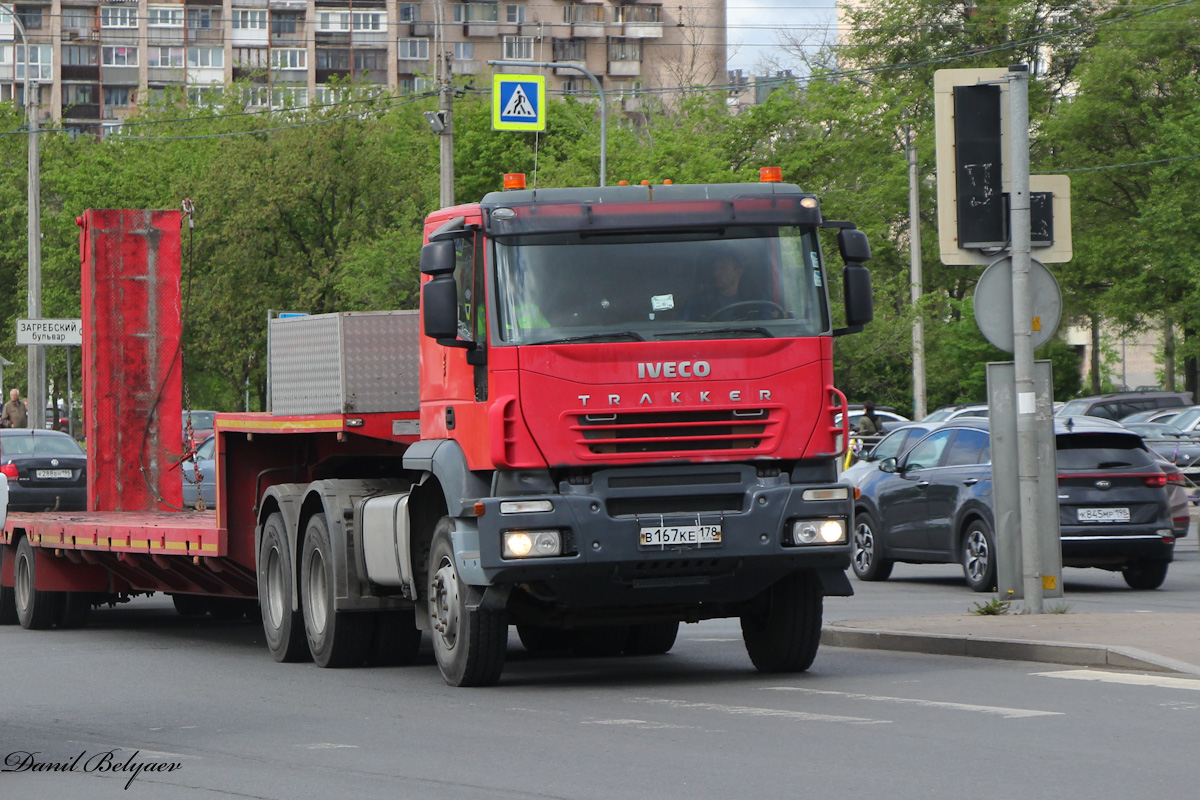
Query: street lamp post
x=37, y=363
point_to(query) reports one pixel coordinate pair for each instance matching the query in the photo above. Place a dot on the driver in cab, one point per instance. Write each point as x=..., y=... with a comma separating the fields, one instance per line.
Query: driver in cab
x=727, y=295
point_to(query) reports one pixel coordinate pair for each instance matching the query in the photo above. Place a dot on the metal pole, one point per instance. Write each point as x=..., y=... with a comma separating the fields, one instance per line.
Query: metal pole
x=446, y=142
x=914, y=253
x=1027, y=461
x=599, y=91
x=70, y=397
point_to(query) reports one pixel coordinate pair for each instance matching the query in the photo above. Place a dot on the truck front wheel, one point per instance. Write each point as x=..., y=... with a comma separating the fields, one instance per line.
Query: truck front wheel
x=283, y=627
x=782, y=626
x=36, y=610
x=335, y=638
x=469, y=643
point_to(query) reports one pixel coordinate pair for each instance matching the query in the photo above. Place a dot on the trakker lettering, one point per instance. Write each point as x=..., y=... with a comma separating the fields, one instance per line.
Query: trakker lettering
x=764, y=396
x=673, y=369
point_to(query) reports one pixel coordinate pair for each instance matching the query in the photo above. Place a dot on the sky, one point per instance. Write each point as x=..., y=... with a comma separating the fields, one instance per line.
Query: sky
x=754, y=26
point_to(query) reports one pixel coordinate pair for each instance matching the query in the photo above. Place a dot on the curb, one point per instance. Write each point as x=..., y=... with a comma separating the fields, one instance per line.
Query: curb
x=1081, y=655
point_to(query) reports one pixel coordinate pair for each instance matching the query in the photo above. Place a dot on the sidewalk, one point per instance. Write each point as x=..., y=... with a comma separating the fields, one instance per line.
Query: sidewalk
x=1151, y=642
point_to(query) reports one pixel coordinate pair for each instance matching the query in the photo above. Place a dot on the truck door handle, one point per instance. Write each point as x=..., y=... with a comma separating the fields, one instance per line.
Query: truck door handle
x=970, y=481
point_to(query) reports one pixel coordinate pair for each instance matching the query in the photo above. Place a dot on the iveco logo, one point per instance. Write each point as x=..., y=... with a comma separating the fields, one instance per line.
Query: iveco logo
x=673, y=369
x=1103, y=484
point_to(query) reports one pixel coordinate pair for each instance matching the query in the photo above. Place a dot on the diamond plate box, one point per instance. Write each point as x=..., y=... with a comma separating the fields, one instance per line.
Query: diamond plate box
x=349, y=363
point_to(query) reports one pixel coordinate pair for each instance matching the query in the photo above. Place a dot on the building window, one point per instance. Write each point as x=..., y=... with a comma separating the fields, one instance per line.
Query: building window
x=118, y=17
x=367, y=21
x=164, y=17
x=80, y=55
x=41, y=62
x=476, y=12
x=367, y=60
x=519, y=48
x=118, y=96
x=569, y=49
x=409, y=84
x=412, y=49
x=203, y=96
x=514, y=14
x=249, y=19
x=77, y=93
x=199, y=18
x=206, y=57
x=410, y=12
x=635, y=14
x=169, y=57
x=118, y=56
x=289, y=96
x=256, y=96
x=73, y=18
x=333, y=59
x=285, y=22
x=333, y=21
x=573, y=85
x=464, y=51
x=289, y=58
x=624, y=50
x=578, y=12
x=249, y=57
x=31, y=17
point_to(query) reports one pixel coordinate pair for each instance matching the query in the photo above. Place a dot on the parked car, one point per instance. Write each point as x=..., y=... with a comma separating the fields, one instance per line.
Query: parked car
x=1188, y=420
x=947, y=413
x=46, y=470
x=934, y=505
x=894, y=444
x=202, y=425
x=1164, y=415
x=1174, y=445
x=1180, y=492
x=1118, y=405
x=207, y=486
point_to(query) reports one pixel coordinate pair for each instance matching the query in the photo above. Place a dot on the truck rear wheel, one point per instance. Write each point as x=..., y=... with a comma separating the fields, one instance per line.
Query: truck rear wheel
x=283, y=627
x=469, y=643
x=396, y=640
x=74, y=610
x=782, y=626
x=335, y=638
x=36, y=610
x=8, y=595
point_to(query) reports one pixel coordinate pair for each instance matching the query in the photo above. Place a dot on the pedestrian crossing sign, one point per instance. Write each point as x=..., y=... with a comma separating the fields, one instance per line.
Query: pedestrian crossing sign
x=518, y=103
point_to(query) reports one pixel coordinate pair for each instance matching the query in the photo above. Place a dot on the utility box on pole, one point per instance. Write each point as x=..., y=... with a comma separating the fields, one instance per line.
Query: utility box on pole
x=975, y=179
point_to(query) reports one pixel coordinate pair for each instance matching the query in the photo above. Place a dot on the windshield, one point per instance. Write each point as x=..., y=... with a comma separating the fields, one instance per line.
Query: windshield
x=754, y=281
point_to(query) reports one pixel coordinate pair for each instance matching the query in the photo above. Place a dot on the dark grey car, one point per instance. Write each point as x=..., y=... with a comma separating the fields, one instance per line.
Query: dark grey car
x=934, y=505
x=47, y=470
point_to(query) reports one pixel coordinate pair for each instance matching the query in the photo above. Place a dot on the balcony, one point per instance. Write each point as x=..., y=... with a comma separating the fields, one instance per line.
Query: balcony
x=624, y=69
x=76, y=34
x=422, y=29
x=119, y=75
x=82, y=111
x=162, y=75
x=164, y=37
x=75, y=72
x=208, y=36
x=566, y=71
x=638, y=22
x=465, y=66
x=641, y=30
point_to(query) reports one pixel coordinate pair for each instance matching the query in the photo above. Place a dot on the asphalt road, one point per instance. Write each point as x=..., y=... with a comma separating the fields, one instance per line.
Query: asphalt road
x=204, y=698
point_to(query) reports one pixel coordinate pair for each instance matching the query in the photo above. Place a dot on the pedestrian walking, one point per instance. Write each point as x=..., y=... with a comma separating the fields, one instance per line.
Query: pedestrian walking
x=15, y=415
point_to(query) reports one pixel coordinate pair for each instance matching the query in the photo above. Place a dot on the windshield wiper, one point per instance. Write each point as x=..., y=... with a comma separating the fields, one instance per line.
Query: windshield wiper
x=616, y=336
x=754, y=329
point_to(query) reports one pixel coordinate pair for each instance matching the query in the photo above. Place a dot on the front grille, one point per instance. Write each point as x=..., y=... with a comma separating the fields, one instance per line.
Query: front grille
x=675, y=431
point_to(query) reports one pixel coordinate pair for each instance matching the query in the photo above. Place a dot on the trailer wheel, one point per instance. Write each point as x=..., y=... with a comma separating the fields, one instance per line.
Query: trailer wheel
x=782, y=626
x=190, y=605
x=335, y=638
x=74, y=610
x=36, y=610
x=469, y=643
x=283, y=627
x=396, y=640
x=652, y=639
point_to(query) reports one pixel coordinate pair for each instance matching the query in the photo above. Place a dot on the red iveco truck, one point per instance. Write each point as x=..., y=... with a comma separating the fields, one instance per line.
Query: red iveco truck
x=615, y=412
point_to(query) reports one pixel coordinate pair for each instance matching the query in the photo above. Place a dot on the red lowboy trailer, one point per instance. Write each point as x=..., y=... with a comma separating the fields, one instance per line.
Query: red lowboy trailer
x=584, y=433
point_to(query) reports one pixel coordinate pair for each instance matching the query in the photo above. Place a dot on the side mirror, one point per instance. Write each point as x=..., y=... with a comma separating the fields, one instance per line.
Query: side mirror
x=439, y=306
x=853, y=245
x=856, y=289
x=888, y=465
x=437, y=258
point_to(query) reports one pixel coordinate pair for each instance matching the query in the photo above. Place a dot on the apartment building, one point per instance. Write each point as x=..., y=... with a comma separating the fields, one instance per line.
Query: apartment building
x=93, y=61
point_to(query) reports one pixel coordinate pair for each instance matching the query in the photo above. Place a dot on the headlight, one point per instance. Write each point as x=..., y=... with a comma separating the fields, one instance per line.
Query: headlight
x=532, y=544
x=819, y=531
x=832, y=493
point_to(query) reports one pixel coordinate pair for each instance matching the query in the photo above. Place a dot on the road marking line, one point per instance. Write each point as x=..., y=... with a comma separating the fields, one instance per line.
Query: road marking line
x=1129, y=679
x=711, y=639
x=752, y=711
x=327, y=746
x=640, y=723
x=1007, y=713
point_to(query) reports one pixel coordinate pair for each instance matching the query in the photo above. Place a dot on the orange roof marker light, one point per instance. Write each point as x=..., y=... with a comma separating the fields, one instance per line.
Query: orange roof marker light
x=645, y=183
x=622, y=183
x=770, y=175
x=667, y=182
x=514, y=180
